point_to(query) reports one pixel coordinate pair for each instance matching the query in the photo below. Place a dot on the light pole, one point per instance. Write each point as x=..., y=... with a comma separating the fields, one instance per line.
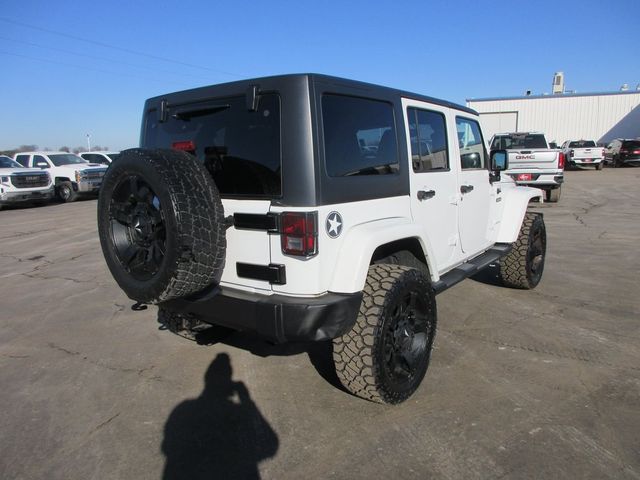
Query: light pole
x=88, y=142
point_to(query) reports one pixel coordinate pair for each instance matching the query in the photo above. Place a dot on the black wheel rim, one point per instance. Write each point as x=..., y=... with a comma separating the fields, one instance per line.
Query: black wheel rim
x=536, y=252
x=137, y=227
x=407, y=339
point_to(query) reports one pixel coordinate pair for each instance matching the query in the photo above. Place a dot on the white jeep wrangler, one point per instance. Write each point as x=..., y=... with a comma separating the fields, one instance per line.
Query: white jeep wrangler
x=307, y=207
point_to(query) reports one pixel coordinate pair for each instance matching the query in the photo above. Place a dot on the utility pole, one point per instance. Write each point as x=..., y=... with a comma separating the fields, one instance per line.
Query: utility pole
x=88, y=142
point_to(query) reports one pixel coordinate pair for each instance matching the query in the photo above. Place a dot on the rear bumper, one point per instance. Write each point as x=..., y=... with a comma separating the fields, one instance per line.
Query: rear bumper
x=542, y=180
x=583, y=162
x=279, y=318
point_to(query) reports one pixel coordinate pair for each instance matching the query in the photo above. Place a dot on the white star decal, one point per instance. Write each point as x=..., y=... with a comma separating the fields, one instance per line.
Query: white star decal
x=334, y=225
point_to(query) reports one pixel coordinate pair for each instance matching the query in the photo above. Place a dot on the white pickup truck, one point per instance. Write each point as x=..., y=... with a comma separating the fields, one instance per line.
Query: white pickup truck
x=22, y=185
x=583, y=153
x=532, y=162
x=71, y=174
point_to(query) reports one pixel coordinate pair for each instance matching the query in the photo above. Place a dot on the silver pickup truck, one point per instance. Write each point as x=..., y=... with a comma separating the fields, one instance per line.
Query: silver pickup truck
x=532, y=162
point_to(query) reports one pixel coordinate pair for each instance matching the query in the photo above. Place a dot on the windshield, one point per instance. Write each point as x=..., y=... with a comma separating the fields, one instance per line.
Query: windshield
x=582, y=144
x=6, y=162
x=112, y=156
x=517, y=141
x=60, y=159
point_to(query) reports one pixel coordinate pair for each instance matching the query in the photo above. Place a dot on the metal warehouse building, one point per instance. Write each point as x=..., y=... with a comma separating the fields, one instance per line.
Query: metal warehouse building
x=564, y=116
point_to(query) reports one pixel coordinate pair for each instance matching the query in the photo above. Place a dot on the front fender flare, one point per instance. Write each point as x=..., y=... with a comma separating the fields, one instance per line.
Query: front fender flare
x=516, y=200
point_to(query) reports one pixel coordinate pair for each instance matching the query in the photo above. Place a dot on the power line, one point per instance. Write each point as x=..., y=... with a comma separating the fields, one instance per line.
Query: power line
x=83, y=67
x=94, y=57
x=114, y=47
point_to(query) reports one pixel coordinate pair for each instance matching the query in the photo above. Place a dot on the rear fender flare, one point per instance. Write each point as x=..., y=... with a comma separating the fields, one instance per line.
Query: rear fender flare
x=361, y=242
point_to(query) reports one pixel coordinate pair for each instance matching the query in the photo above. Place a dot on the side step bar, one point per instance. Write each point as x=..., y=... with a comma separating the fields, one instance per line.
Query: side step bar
x=471, y=267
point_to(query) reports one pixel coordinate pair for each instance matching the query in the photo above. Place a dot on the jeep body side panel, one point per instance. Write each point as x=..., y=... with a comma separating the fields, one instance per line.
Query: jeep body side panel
x=515, y=202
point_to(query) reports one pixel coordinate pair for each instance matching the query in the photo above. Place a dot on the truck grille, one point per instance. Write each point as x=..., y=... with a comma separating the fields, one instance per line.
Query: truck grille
x=30, y=180
x=93, y=174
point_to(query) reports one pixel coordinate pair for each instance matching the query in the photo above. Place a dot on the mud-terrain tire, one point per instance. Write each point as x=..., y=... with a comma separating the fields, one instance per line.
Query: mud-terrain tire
x=66, y=193
x=523, y=266
x=161, y=225
x=553, y=195
x=385, y=356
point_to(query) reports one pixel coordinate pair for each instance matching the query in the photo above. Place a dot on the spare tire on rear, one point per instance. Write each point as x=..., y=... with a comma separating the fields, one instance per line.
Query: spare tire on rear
x=161, y=225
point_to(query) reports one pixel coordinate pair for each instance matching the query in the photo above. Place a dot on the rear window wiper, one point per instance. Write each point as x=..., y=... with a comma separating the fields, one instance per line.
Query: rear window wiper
x=198, y=111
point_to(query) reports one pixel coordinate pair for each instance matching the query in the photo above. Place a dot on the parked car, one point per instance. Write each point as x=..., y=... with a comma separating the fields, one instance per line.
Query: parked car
x=261, y=206
x=104, y=158
x=532, y=162
x=583, y=153
x=622, y=152
x=71, y=174
x=20, y=185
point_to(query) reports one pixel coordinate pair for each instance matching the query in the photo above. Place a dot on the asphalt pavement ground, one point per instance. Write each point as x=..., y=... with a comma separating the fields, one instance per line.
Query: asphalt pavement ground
x=522, y=384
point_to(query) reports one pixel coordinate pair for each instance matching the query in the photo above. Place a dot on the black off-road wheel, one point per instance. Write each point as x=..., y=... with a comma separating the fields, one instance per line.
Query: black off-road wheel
x=553, y=195
x=600, y=165
x=523, y=266
x=66, y=192
x=161, y=225
x=386, y=354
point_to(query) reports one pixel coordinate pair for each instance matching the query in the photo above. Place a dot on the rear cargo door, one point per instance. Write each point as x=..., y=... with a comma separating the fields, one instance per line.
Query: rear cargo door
x=240, y=147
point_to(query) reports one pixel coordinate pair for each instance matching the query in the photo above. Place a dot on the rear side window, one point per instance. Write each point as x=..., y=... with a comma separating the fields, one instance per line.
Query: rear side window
x=359, y=136
x=23, y=160
x=472, y=152
x=239, y=147
x=631, y=145
x=428, y=140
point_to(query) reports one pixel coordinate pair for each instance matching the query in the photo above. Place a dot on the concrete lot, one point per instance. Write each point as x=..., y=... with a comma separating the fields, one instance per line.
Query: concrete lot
x=537, y=384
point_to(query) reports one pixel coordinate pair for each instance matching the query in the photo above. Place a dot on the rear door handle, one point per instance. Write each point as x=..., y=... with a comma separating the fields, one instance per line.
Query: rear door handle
x=426, y=194
x=465, y=188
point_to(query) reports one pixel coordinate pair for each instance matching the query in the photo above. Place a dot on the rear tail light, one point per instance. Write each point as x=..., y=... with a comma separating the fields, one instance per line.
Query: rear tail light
x=186, y=146
x=561, y=160
x=523, y=177
x=299, y=233
x=571, y=153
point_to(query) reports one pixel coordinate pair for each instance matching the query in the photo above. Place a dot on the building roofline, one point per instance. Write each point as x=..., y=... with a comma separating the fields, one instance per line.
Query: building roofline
x=562, y=95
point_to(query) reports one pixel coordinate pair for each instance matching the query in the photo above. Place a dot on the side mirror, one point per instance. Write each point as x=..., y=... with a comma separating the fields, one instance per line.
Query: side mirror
x=499, y=161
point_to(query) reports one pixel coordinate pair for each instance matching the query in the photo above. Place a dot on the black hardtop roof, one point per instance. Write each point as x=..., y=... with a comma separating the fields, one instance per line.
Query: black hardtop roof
x=315, y=77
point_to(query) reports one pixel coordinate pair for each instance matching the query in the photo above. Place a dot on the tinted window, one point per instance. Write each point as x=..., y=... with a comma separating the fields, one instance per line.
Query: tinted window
x=631, y=144
x=518, y=141
x=59, y=159
x=582, y=144
x=40, y=161
x=6, y=162
x=428, y=140
x=359, y=136
x=240, y=148
x=113, y=156
x=472, y=152
x=23, y=160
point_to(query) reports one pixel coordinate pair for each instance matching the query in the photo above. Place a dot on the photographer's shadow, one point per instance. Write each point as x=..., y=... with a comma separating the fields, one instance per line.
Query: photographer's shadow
x=220, y=434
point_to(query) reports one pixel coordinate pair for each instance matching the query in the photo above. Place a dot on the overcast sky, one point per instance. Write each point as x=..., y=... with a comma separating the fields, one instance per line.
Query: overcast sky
x=70, y=68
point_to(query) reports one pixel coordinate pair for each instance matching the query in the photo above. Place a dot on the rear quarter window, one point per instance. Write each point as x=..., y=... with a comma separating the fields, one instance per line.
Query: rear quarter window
x=359, y=136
